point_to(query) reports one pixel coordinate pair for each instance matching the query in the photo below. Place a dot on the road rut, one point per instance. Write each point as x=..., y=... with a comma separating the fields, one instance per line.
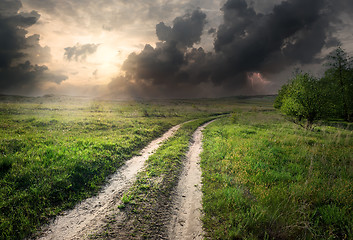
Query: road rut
x=185, y=222
x=89, y=215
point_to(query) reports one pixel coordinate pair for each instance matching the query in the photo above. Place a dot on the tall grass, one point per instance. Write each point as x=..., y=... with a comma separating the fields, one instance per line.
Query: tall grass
x=265, y=178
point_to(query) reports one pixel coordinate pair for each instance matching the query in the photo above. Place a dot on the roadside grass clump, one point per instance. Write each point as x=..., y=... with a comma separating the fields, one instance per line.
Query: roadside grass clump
x=265, y=178
x=148, y=208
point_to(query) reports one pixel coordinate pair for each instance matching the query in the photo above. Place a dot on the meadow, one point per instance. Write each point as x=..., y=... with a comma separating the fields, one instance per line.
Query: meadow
x=56, y=151
x=268, y=178
x=263, y=177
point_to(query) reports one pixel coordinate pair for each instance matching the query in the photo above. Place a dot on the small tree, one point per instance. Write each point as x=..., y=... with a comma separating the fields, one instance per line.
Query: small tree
x=281, y=95
x=339, y=77
x=302, y=100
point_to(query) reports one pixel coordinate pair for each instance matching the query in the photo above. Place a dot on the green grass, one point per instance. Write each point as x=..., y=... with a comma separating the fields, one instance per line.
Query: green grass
x=265, y=178
x=149, y=199
x=57, y=151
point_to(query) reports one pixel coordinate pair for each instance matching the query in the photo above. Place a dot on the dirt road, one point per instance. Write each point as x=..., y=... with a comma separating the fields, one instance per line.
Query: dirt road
x=185, y=223
x=89, y=215
x=178, y=218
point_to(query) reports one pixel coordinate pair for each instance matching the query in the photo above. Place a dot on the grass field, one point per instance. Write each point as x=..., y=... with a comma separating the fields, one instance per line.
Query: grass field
x=266, y=178
x=56, y=151
x=263, y=177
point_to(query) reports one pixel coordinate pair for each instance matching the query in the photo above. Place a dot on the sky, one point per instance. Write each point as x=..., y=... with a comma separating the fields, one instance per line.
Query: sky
x=165, y=48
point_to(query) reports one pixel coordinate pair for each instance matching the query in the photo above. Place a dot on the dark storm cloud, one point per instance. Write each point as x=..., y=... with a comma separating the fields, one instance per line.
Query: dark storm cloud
x=343, y=5
x=294, y=32
x=212, y=31
x=80, y=52
x=186, y=30
x=9, y=7
x=17, y=73
x=37, y=53
x=12, y=32
x=26, y=78
x=166, y=65
x=165, y=62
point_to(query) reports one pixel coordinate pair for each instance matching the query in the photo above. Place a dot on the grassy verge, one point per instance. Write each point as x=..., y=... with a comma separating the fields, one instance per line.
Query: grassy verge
x=265, y=178
x=146, y=205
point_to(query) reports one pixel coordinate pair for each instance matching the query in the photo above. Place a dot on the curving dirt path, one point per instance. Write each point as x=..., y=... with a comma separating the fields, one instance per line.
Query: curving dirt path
x=89, y=215
x=186, y=223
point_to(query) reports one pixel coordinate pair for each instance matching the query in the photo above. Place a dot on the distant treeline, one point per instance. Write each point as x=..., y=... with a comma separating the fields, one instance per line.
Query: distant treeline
x=306, y=98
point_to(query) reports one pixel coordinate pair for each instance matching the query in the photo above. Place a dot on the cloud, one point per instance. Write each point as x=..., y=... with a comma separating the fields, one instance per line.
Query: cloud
x=26, y=78
x=248, y=42
x=192, y=56
x=294, y=32
x=186, y=30
x=161, y=71
x=12, y=33
x=116, y=14
x=17, y=73
x=80, y=52
x=9, y=7
x=163, y=63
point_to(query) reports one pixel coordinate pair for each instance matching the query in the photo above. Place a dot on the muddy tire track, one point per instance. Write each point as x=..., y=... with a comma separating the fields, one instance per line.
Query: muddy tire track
x=89, y=215
x=187, y=206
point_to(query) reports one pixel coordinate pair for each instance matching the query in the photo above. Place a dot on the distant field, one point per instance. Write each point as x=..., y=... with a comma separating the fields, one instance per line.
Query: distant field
x=56, y=151
x=267, y=178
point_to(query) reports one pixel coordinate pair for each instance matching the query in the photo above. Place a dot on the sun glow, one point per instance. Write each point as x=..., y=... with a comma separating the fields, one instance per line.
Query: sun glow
x=83, y=70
